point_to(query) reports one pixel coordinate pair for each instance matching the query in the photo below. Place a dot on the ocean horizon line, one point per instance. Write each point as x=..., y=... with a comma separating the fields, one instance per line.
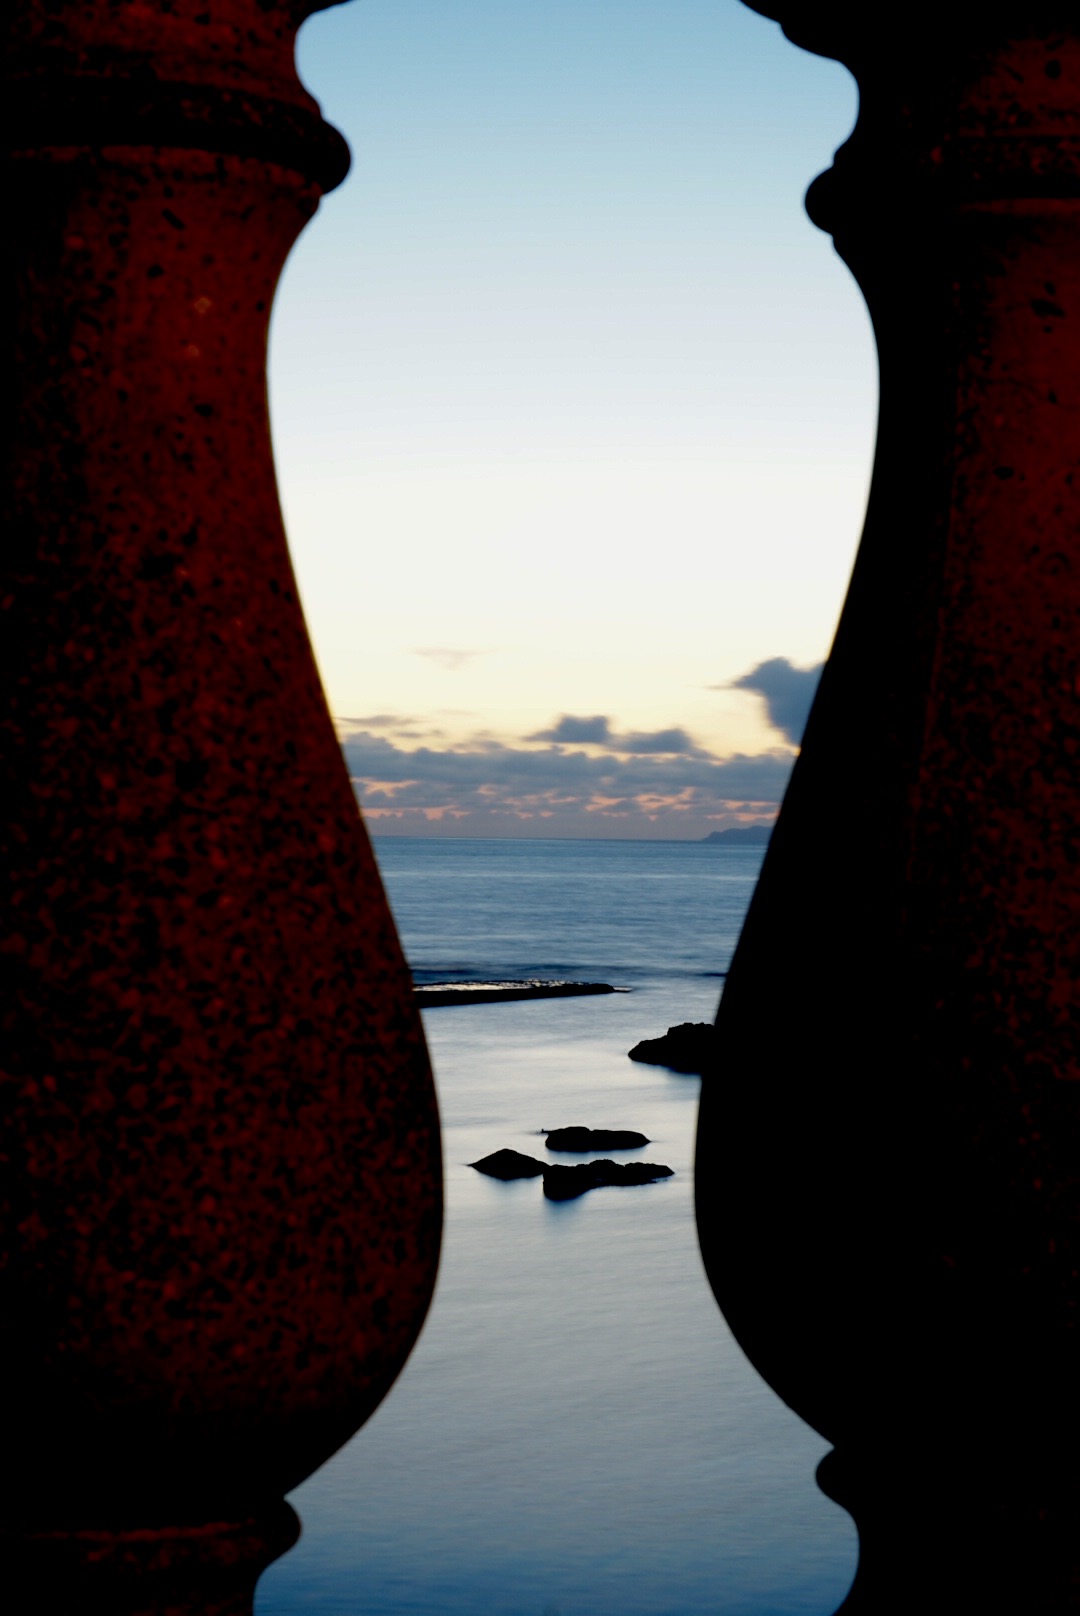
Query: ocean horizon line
x=497, y=836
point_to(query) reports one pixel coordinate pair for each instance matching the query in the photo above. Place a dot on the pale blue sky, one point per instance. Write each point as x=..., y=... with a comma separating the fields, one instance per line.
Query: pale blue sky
x=573, y=407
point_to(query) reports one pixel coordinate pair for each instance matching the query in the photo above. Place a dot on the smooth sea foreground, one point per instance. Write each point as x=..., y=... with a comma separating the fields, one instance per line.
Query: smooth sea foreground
x=576, y=1432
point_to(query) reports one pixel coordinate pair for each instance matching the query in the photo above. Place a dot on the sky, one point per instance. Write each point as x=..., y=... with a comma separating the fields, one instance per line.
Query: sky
x=573, y=411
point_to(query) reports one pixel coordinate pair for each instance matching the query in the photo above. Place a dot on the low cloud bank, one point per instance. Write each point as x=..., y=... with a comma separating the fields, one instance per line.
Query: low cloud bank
x=581, y=776
x=634, y=784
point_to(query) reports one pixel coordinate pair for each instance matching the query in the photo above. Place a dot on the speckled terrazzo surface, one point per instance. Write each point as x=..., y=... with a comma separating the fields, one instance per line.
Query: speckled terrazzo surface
x=221, y=1172
x=887, y=1174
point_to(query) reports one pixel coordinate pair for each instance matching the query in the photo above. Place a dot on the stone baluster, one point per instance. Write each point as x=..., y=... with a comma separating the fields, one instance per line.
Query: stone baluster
x=220, y=1170
x=888, y=1153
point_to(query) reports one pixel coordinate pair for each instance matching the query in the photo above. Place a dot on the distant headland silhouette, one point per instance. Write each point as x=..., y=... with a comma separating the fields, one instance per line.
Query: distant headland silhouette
x=751, y=835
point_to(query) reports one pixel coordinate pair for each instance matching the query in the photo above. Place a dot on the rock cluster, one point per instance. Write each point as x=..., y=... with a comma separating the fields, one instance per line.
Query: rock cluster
x=564, y=1183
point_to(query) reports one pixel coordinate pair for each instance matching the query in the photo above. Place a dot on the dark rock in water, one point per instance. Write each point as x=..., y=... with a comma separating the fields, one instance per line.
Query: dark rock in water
x=429, y=995
x=506, y=1164
x=690, y=1047
x=574, y=1139
x=565, y=1183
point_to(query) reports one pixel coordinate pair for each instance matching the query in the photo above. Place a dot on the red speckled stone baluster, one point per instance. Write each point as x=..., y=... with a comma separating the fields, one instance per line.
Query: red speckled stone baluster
x=220, y=1174
x=889, y=1150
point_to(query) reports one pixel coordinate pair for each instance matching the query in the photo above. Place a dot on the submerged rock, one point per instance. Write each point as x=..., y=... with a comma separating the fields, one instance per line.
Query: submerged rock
x=565, y=1183
x=690, y=1047
x=507, y=1164
x=580, y=1139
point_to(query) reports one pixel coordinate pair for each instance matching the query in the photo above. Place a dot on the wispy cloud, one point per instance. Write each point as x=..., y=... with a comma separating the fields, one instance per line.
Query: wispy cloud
x=788, y=692
x=400, y=725
x=450, y=657
x=395, y=721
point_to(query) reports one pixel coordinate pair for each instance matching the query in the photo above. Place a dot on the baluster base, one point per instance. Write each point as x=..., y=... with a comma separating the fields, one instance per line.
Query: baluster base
x=942, y=1534
x=205, y=1570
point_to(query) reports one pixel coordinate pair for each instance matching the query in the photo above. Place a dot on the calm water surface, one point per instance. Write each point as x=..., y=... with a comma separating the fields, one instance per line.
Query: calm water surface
x=576, y=1433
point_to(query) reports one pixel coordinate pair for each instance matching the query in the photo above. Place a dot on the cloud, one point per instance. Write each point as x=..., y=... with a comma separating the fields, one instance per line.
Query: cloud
x=597, y=731
x=451, y=658
x=670, y=741
x=398, y=724
x=396, y=721
x=486, y=785
x=788, y=693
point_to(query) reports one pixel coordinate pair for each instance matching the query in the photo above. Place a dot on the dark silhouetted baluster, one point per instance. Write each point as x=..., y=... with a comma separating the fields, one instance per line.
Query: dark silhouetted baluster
x=220, y=1170
x=888, y=1153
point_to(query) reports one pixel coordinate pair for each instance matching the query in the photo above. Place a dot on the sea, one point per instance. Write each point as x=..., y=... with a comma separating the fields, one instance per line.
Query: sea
x=576, y=1432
